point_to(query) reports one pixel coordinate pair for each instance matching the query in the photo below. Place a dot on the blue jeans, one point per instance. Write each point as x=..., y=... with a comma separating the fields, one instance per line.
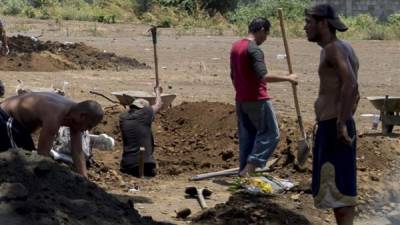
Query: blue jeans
x=258, y=132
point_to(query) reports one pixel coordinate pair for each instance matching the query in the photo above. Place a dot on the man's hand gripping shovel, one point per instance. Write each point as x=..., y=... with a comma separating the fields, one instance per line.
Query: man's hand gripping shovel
x=304, y=142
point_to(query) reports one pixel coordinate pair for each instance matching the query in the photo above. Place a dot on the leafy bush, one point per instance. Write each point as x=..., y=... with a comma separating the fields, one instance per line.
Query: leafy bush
x=394, y=19
x=142, y=6
x=212, y=7
x=13, y=7
x=29, y=12
x=294, y=9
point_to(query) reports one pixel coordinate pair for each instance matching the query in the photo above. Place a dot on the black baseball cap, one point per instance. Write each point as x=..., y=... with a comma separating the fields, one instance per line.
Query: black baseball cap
x=328, y=12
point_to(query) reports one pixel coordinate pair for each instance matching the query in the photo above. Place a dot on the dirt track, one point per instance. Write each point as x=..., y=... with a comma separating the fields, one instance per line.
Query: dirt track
x=196, y=68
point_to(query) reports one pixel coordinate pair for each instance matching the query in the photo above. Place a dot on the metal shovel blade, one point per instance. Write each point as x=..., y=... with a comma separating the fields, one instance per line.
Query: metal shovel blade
x=302, y=153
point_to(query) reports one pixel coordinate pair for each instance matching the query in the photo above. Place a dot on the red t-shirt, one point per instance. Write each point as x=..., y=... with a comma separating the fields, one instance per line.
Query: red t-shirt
x=247, y=70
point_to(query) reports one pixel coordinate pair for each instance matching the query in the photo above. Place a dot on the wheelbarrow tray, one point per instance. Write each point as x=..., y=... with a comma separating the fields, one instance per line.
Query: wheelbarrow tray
x=392, y=103
x=127, y=97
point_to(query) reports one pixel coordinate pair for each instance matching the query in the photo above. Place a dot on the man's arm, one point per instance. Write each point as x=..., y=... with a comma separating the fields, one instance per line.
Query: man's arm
x=76, y=151
x=46, y=137
x=258, y=63
x=157, y=106
x=348, y=89
x=292, y=78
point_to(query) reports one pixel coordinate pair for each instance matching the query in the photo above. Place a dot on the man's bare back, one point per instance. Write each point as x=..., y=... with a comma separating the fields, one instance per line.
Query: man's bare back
x=33, y=110
x=22, y=115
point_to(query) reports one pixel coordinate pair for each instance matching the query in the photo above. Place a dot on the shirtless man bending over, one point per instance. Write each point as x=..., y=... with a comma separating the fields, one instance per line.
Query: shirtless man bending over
x=22, y=115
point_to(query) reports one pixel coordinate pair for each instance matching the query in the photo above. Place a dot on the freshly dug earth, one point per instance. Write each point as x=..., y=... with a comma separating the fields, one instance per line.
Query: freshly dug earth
x=245, y=208
x=28, y=54
x=199, y=137
x=37, y=190
x=196, y=137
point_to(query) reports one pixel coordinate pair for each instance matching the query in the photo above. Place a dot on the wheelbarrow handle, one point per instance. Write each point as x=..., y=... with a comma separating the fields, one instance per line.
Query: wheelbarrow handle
x=290, y=67
x=102, y=95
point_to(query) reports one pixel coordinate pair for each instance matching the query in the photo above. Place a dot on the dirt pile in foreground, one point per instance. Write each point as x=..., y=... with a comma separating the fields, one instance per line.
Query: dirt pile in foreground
x=36, y=190
x=28, y=54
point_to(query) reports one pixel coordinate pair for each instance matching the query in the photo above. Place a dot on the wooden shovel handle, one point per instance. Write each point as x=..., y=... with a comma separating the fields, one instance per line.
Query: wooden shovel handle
x=289, y=62
x=153, y=31
x=200, y=196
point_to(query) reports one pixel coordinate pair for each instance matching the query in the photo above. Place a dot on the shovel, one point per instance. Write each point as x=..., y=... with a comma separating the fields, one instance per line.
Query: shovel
x=153, y=31
x=303, y=143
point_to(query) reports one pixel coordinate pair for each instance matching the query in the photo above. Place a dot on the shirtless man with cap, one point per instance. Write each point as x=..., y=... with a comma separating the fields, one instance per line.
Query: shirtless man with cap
x=334, y=153
x=24, y=114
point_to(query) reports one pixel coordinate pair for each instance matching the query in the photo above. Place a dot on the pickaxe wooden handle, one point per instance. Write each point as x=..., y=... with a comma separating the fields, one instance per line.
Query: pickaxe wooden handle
x=289, y=62
x=153, y=31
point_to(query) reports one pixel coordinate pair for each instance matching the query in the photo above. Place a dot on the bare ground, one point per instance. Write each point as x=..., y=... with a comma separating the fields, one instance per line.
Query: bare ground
x=195, y=67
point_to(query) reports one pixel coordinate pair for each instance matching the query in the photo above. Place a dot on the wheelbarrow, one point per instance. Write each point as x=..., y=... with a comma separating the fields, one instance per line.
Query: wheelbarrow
x=125, y=98
x=389, y=107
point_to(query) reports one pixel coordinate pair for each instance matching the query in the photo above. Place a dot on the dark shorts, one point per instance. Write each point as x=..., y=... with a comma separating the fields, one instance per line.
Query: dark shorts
x=334, y=167
x=19, y=135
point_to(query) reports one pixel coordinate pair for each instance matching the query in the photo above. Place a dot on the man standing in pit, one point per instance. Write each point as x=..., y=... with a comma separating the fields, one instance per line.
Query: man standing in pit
x=135, y=126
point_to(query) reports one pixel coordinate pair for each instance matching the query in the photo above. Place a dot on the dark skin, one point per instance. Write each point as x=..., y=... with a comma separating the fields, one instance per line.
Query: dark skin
x=348, y=97
x=49, y=111
x=334, y=62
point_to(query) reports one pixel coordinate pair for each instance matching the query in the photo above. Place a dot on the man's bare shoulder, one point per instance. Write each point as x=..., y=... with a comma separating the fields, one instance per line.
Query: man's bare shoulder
x=45, y=101
x=333, y=52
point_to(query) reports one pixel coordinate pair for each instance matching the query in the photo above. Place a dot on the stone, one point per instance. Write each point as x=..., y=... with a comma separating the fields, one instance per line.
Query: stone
x=183, y=213
x=374, y=178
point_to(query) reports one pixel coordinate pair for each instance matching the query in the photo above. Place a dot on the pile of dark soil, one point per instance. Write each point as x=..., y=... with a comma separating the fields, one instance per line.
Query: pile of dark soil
x=244, y=208
x=202, y=137
x=199, y=137
x=36, y=190
x=28, y=54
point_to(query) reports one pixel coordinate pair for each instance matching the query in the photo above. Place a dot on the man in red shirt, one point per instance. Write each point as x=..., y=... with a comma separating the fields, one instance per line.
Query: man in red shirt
x=258, y=127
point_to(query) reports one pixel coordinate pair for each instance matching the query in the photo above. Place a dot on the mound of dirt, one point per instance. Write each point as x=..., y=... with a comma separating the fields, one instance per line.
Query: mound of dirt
x=199, y=137
x=36, y=190
x=202, y=137
x=30, y=54
x=244, y=208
